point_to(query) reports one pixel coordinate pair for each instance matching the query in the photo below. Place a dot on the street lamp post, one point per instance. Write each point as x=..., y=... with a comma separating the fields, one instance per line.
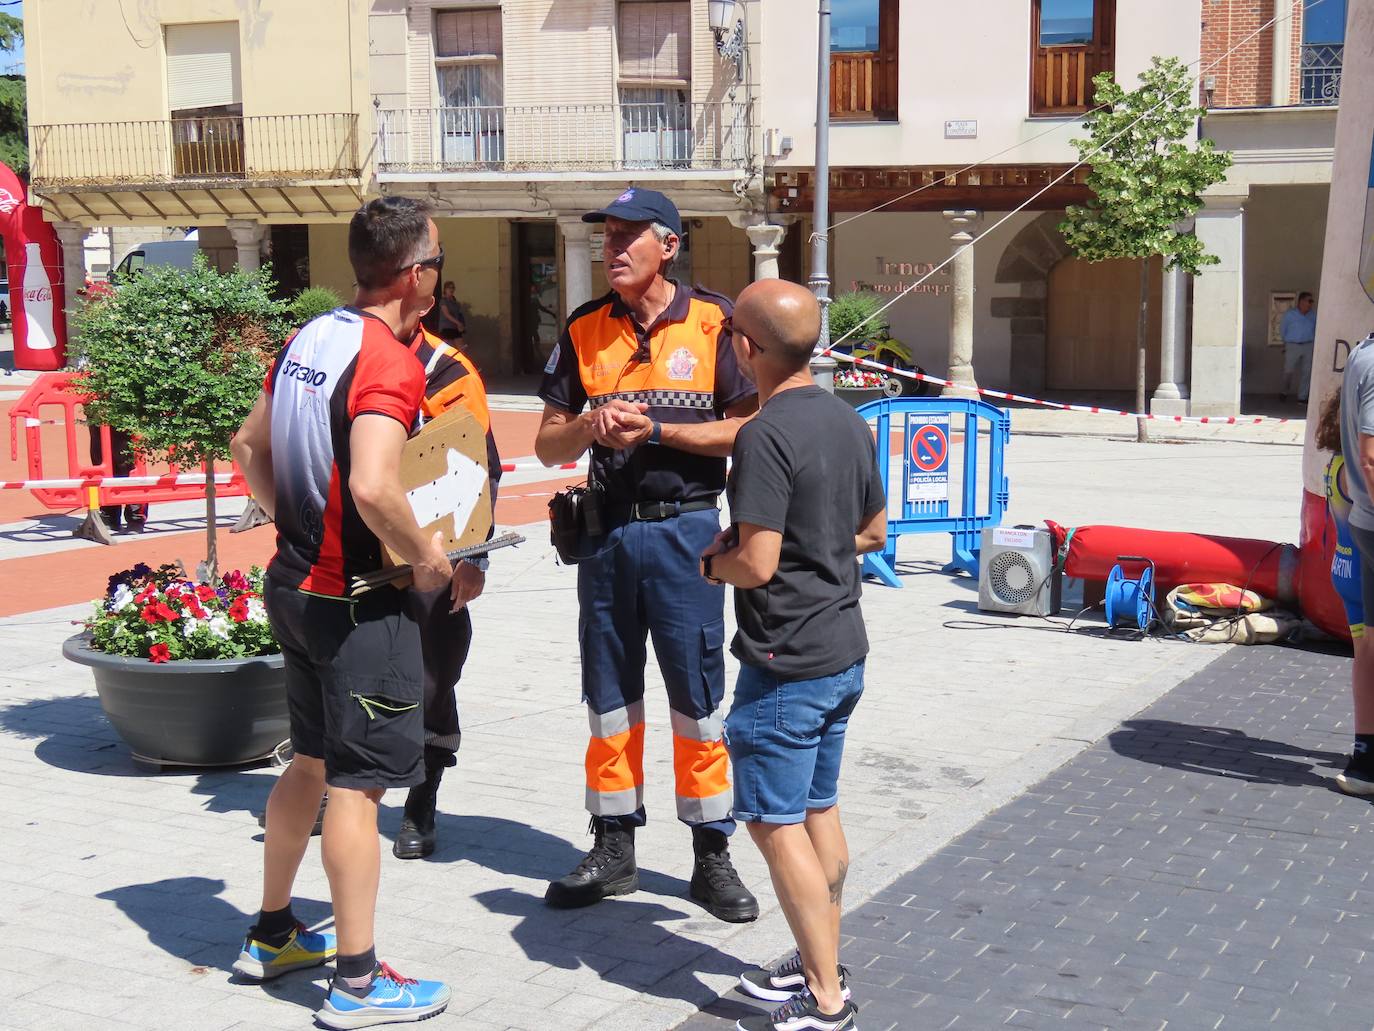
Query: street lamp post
x=822, y=365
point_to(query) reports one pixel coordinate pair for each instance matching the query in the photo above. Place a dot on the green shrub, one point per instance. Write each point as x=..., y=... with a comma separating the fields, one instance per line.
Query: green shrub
x=176, y=357
x=857, y=308
x=311, y=303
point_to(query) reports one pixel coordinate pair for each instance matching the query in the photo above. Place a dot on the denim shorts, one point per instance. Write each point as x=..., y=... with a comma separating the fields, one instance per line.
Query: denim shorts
x=786, y=739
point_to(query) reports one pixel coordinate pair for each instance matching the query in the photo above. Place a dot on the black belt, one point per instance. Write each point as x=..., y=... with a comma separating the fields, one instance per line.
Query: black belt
x=657, y=511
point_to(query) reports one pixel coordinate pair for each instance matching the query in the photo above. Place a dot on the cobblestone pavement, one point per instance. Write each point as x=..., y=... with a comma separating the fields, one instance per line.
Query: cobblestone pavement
x=1196, y=868
x=123, y=895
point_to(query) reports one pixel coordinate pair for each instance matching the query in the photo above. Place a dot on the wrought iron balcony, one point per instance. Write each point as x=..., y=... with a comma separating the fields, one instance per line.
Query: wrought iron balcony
x=232, y=149
x=588, y=137
x=1321, y=73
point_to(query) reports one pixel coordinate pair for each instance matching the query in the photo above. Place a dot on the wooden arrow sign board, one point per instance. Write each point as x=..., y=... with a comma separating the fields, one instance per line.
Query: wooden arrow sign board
x=444, y=474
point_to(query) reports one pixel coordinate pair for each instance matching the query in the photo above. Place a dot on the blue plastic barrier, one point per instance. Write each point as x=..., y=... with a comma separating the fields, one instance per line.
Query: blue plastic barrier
x=924, y=506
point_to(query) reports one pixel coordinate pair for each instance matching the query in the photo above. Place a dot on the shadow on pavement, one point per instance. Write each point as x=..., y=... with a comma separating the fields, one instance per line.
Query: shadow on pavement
x=650, y=961
x=76, y=736
x=186, y=918
x=1222, y=752
x=508, y=847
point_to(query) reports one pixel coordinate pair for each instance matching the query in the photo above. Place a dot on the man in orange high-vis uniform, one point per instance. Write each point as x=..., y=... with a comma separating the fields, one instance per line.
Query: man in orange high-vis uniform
x=445, y=625
x=646, y=378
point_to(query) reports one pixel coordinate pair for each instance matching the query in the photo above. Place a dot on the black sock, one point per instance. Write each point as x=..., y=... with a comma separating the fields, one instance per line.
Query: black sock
x=354, y=969
x=1363, y=752
x=274, y=926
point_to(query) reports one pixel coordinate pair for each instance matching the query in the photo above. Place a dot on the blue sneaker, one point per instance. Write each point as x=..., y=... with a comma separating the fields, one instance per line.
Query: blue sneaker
x=393, y=999
x=304, y=948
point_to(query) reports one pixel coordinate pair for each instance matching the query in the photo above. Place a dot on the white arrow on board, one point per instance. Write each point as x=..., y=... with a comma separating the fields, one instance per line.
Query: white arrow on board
x=454, y=492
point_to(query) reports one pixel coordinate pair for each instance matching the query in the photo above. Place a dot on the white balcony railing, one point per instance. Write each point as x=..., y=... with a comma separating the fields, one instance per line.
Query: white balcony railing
x=1321, y=73
x=564, y=137
x=194, y=151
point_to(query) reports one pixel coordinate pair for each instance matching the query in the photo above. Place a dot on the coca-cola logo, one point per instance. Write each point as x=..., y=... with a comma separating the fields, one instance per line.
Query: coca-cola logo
x=42, y=293
x=8, y=201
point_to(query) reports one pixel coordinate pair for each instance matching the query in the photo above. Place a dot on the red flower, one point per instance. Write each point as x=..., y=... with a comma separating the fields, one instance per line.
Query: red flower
x=205, y=593
x=196, y=609
x=235, y=581
x=146, y=595
x=159, y=653
x=238, y=611
x=158, y=612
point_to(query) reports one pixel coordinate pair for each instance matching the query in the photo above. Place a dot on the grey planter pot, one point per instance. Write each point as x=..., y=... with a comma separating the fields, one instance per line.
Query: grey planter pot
x=192, y=712
x=859, y=397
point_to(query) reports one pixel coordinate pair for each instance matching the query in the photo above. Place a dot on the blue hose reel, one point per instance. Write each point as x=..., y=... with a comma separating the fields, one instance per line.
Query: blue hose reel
x=1131, y=603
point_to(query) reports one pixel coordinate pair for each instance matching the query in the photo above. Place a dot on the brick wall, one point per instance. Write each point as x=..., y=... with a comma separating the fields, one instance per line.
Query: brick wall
x=1244, y=77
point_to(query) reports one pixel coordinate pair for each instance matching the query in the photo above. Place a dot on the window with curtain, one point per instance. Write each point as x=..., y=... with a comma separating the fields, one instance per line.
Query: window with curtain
x=854, y=26
x=468, y=66
x=655, y=41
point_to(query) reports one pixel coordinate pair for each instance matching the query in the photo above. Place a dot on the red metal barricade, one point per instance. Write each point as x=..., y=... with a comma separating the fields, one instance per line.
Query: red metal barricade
x=53, y=400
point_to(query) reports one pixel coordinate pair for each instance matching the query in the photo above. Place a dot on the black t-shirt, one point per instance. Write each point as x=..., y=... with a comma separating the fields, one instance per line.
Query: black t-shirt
x=683, y=367
x=806, y=467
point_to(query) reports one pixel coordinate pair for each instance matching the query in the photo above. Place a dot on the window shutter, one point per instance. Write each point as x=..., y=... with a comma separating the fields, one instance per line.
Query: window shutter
x=656, y=40
x=203, y=65
x=468, y=33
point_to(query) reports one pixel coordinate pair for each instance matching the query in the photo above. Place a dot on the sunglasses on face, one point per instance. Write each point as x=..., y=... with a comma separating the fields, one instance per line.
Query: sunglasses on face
x=435, y=262
x=728, y=324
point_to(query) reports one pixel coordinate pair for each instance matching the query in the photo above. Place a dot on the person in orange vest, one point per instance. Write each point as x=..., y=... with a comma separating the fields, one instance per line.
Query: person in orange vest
x=646, y=378
x=445, y=624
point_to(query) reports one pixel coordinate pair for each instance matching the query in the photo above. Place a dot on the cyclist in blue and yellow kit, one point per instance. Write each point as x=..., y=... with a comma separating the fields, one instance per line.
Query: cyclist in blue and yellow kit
x=1358, y=776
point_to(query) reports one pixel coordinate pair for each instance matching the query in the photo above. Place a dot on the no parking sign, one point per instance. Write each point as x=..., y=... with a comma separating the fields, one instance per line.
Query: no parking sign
x=927, y=459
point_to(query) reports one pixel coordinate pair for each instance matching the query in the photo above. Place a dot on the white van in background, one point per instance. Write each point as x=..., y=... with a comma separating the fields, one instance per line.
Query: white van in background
x=179, y=253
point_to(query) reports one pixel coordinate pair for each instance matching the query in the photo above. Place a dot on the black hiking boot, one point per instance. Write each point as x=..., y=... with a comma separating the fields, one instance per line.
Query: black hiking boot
x=715, y=884
x=416, y=838
x=608, y=869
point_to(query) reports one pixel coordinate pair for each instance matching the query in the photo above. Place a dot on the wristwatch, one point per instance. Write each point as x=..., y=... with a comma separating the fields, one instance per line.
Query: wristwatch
x=706, y=571
x=480, y=561
x=656, y=433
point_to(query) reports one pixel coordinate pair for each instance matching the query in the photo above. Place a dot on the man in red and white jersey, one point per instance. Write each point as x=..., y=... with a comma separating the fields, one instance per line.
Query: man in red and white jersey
x=321, y=451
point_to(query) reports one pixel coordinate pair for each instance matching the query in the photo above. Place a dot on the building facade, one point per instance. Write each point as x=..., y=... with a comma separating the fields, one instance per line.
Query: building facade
x=263, y=126
x=946, y=140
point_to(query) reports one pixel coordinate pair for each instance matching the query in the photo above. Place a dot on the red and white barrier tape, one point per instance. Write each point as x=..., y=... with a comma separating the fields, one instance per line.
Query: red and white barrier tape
x=166, y=480
x=192, y=479
x=510, y=467
x=1215, y=420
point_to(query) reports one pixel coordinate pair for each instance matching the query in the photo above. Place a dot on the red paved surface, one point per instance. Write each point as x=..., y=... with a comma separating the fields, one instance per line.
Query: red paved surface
x=69, y=577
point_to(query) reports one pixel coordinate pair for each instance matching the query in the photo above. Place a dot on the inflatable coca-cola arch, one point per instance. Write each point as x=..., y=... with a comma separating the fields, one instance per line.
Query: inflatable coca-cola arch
x=37, y=297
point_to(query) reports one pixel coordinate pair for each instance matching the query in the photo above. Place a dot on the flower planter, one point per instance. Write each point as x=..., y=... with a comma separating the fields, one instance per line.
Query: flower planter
x=191, y=712
x=859, y=397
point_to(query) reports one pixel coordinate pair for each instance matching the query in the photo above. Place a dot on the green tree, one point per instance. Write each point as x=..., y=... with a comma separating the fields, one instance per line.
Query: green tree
x=1147, y=178
x=176, y=357
x=14, y=118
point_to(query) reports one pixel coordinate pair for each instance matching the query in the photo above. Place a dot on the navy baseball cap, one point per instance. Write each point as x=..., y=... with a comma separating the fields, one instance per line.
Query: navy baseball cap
x=636, y=205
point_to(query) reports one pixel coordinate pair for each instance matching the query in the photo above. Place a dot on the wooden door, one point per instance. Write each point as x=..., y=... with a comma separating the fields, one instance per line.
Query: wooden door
x=1091, y=331
x=1062, y=74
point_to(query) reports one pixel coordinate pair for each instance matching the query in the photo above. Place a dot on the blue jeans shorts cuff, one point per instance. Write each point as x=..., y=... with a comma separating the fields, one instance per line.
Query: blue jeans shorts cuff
x=783, y=819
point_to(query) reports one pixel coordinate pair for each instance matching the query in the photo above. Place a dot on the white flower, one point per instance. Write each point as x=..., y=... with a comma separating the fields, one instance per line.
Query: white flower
x=123, y=598
x=192, y=625
x=219, y=627
x=257, y=612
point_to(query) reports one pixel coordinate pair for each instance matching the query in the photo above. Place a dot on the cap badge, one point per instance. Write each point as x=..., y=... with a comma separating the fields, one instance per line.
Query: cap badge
x=625, y=197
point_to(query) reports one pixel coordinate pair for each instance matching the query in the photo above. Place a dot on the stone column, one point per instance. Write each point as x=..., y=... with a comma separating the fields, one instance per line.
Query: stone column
x=1281, y=91
x=73, y=238
x=1171, y=396
x=247, y=234
x=961, y=305
x=1218, y=307
x=765, y=239
x=577, y=262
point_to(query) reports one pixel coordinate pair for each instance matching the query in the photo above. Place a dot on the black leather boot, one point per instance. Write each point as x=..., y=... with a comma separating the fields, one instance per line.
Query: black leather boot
x=416, y=838
x=608, y=869
x=715, y=884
